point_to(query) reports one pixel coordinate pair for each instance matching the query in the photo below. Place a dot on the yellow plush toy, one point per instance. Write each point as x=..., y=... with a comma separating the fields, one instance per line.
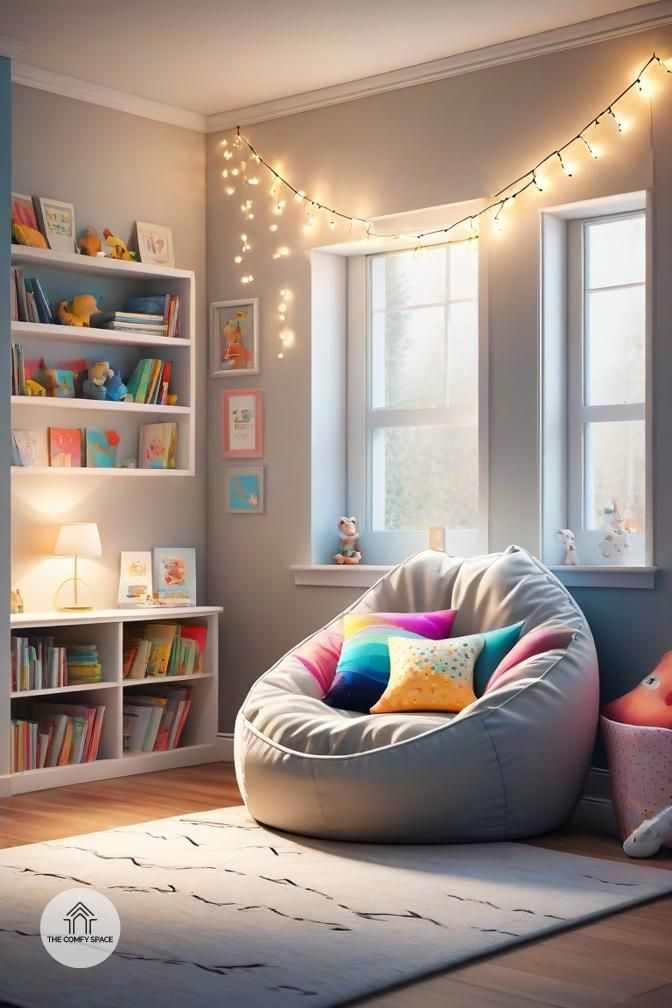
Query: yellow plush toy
x=33, y=388
x=78, y=312
x=119, y=248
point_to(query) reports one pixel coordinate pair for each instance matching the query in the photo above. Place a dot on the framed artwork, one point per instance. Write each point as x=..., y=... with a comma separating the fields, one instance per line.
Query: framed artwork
x=245, y=490
x=155, y=244
x=243, y=420
x=135, y=578
x=234, y=337
x=175, y=575
x=25, y=229
x=57, y=223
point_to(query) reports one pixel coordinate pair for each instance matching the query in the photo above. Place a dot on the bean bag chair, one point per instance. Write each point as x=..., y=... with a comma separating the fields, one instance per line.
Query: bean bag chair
x=511, y=764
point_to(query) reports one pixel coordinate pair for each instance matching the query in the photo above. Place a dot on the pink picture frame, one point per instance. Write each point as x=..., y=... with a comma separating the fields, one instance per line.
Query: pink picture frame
x=243, y=423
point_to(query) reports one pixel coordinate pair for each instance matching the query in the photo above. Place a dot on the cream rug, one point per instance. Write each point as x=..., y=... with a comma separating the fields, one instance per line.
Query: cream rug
x=216, y=912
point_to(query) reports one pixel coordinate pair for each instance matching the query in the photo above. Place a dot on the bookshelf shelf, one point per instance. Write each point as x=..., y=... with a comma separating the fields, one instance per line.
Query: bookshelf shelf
x=85, y=335
x=62, y=275
x=92, y=471
x=106, y=627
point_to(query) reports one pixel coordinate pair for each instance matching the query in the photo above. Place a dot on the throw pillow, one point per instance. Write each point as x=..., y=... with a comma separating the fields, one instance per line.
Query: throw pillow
x=320, y=656
x=430, y=675
x=496, y=646
x=533, y=643
x=364, y=666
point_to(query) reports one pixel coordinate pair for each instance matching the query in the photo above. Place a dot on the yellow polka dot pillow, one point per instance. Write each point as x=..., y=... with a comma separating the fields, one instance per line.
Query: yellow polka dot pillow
x=428, y=675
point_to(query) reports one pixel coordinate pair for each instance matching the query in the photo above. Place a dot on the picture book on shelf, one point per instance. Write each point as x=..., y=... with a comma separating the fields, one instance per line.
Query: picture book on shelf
x=101, y=448
x=135, y=578
x=164, y=650
x=29, y=448
x=175, y=575
x=65, y=447
x=154, y=723
x=157, y=446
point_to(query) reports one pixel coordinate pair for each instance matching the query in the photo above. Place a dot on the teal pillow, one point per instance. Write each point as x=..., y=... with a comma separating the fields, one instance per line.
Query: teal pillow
x=497, y=645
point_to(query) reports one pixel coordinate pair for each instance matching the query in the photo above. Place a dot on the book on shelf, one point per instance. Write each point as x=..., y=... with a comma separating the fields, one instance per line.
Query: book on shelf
x=65, y=447
x=55, y=735
x=165, y=650
x=157, y=445
x=165, y=305
x=36, y=663
x=155, y=723
x=149, y=381
x=29, y=448
x=28, y=300
x=18, y=369
x=101, y=448
x=84, y=665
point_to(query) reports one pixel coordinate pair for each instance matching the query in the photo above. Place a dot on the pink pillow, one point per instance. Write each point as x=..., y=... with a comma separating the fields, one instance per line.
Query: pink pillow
x=533, y=643
x=320, y=656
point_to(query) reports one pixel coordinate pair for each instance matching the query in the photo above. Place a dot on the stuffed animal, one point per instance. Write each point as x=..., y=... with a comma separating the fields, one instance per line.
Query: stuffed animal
x=115, y=390
x=568, y=540
x=33, y=388
x=78, y=312
x=616, y=543
x=648, y=838
x=650, y=702
x=94, y=385
x=89, y=243
x=348, y=534
x=119, y=249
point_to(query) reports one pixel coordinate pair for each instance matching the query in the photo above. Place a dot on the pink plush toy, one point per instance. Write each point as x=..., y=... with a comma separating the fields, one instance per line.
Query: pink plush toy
x=649, y=703
x=348, y=534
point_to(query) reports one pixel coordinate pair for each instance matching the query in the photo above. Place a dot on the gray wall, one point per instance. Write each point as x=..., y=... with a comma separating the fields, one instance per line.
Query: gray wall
x=116, y=168
x=5, y=189
x=425, y=146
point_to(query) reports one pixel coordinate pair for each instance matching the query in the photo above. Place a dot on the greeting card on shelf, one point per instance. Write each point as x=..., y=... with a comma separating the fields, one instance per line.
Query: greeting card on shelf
x=135, y=578
x=29, y=448
x=175, y=575
x=101, y=448
x=65, y=447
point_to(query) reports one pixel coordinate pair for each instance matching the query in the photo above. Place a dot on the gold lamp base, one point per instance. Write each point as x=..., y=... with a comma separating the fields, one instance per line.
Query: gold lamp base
x=75, y=605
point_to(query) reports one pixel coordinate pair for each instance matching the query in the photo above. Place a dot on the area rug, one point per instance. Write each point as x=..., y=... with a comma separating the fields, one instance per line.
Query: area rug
x=217, y=911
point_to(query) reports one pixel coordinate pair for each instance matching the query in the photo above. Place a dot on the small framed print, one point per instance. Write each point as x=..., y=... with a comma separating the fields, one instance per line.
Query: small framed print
x=155, y=244
x=243, y=420
x=234, y=338
x=135, y=579
x=245, y=490
x=57, y=223
x=175, y=575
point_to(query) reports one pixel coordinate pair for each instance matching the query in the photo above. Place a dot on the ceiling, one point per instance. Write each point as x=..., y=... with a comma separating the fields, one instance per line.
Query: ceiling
x=211, y=56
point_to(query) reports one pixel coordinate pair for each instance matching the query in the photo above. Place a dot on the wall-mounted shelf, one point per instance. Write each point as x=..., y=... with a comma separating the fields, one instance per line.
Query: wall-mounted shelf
x=94, y=471
x=22, y=331
x=97, y=406
x=26, y=255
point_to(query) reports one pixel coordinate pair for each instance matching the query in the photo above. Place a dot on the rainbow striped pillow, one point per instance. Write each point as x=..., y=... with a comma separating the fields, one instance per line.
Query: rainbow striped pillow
x=364, y=666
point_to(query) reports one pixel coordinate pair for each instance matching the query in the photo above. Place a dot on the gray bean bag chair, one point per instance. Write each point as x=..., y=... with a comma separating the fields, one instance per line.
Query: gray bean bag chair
x=510, y=765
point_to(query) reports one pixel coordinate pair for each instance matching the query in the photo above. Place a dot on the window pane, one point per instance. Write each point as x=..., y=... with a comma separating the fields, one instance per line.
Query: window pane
x=615, y=251
x=615, y=346
x=463, y=356
x=406, y=279
x=424, y=476
x=463, y=275
x=408, y=359
x=615, y=471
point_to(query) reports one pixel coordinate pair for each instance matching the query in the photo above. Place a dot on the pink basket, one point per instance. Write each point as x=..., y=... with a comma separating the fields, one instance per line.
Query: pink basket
x=640, y=767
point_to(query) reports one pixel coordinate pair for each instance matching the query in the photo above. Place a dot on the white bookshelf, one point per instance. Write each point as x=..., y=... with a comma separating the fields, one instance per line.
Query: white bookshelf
x=63, y=275
x=105, y=627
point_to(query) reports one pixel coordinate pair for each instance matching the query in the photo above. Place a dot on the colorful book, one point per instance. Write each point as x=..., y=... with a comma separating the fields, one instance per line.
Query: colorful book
x=162, y=636
x=31, y=448
x=157, y=445
x=101, y=448
x=198, y=633
x=155, y=304
x=65, y=447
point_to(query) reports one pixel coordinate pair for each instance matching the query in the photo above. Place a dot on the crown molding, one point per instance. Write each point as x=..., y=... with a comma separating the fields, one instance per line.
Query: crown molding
x=97, y=94
x=625, y=22
x=10, y=47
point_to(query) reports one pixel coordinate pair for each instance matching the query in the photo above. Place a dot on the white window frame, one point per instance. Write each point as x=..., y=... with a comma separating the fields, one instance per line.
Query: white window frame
x=388, y=546
x=564, y=411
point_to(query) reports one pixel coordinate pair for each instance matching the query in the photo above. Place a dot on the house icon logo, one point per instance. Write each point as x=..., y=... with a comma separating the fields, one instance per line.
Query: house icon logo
x=79, y=916
x=80, y=927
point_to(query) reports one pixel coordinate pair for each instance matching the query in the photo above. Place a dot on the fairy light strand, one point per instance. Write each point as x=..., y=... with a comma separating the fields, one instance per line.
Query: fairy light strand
x=497, y=203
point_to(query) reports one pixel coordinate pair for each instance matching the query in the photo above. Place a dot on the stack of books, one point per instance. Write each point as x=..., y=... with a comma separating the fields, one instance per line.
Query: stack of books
x=83, y=664
x=55, y=735
x=150, y=380
x=27, y=299
x=132, y=323
x=165, y=649
x=155, y=723
x=165, y=306
x=18, y=370
x=37, y=664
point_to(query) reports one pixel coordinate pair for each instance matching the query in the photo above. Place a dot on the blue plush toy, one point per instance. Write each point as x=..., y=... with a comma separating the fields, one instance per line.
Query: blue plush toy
x=116, y=390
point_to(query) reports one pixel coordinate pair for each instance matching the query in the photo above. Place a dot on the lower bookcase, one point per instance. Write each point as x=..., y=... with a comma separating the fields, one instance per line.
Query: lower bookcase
x=185, y=736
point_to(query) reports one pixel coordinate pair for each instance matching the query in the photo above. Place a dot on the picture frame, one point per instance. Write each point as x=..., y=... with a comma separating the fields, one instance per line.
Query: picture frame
x=155, y=244
x=135, y=579
x=243, y=423
x=57, y=223
x=244, y=490
x=234, y=338
x=175, y=575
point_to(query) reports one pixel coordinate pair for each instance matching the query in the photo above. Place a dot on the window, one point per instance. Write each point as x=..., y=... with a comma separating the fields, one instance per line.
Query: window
x=606, y=451
x=414, y=412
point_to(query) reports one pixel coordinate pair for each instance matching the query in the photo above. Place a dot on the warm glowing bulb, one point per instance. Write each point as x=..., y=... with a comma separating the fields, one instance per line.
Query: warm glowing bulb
x=281, y=356
x=225, y=173
x=286, y=294
x=223, y=143
x=281, y=317
x=497, y=224
x=332, y=225
x=243, y=165
x=249, y=216
x=273, y=227
x=243, y=237
x=287, y=337
x=257, y=159
x=246, y=247
x=228, y=155
x=238, y=259
x=230, y=190
x=282, y=307
x=253, y=181
x=234, y=171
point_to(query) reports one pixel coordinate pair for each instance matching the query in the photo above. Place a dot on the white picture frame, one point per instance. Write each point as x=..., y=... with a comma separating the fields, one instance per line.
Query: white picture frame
x=175, y=575
x=234, y=338
x=135, y=579
x=57, y=223
x=155, y=244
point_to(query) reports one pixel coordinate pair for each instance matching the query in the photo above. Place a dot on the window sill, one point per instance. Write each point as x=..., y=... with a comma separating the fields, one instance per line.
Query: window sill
x=603, y=576
x=337, y=575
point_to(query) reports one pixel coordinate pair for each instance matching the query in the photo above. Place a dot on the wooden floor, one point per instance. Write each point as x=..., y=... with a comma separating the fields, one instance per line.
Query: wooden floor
x=625, y=959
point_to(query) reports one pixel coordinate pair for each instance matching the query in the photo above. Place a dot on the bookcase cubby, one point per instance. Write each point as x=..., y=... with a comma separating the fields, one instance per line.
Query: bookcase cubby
x=108, y=629
x=63, y=275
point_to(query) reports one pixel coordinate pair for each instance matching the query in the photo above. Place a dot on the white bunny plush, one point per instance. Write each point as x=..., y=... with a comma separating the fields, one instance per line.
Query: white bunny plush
x=646, y=840
x=568, y=540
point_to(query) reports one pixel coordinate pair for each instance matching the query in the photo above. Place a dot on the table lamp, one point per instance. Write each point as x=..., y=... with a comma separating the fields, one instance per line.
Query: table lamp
x=76, y=539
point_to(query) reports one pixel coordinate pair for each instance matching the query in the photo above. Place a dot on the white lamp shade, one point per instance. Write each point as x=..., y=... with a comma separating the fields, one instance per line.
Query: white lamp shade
x=78, y=539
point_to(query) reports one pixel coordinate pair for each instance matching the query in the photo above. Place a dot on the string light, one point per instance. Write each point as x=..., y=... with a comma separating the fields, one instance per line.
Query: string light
x=528, y=179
